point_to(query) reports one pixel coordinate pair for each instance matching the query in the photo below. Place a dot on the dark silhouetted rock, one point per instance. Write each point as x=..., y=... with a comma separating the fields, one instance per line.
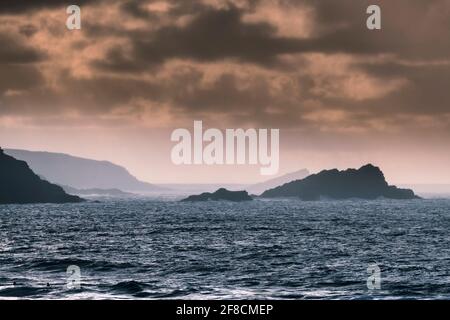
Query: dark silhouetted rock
x=20, y=185
x=368, y=182
x=272, y=183
x=221, y=194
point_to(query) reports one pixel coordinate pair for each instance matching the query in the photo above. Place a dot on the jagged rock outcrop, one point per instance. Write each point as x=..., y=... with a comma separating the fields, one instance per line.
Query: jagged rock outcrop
x=368, y=182
x=20, y=185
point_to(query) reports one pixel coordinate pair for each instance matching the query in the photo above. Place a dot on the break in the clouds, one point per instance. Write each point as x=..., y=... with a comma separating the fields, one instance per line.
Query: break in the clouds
x=295, y=64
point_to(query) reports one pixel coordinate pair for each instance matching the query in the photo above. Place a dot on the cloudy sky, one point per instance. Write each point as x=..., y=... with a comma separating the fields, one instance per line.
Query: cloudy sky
x=341, y=95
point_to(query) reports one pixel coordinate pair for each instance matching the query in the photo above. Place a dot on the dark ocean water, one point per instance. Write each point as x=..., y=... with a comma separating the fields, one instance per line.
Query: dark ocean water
x=283, y=249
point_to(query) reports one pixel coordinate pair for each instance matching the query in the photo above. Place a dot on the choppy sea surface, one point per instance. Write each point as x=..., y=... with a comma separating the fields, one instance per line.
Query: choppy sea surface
x=283, y=249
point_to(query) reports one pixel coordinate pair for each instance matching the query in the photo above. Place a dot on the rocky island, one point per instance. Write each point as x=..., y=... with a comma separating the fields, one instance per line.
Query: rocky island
x=368, y=182
x=221, y=194
x=20, y=185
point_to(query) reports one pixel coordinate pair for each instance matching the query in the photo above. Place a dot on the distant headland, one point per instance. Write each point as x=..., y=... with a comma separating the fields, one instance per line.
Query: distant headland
x=81, y=173
x=20, y=185
x=368, y=182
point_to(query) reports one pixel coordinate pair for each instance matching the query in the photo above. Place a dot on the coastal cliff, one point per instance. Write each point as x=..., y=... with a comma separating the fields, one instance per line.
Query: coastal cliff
x=20, y=185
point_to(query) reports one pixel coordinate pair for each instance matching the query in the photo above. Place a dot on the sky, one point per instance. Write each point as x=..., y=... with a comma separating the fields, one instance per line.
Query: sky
x=341, y=95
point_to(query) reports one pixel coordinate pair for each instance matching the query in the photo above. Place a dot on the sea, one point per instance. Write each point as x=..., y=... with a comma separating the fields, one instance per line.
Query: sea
x=262, y=249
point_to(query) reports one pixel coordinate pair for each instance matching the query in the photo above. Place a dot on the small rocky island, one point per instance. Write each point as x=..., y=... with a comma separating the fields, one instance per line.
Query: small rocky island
x=20, y=185
x=220, y=195
x=368, y=182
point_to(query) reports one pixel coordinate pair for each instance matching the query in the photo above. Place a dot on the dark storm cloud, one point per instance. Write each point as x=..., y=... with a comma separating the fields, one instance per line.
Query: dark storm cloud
x=17, y=65
x=13, y=51
x=135, y=9
x=427, y=93
x=219, y=34
x=213, y=35
x=19, y=78
x=414, y=33
x=90, y=97
x=28, y=30
x=410, y=28
x=21, y=6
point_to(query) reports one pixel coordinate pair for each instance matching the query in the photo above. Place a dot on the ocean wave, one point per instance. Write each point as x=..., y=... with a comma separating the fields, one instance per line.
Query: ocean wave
x=263, y=250
x=23, y=292
x=59, y=265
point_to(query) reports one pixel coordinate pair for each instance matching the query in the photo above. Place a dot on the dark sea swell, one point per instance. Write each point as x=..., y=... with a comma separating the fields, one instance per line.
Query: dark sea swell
x=267, y=249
